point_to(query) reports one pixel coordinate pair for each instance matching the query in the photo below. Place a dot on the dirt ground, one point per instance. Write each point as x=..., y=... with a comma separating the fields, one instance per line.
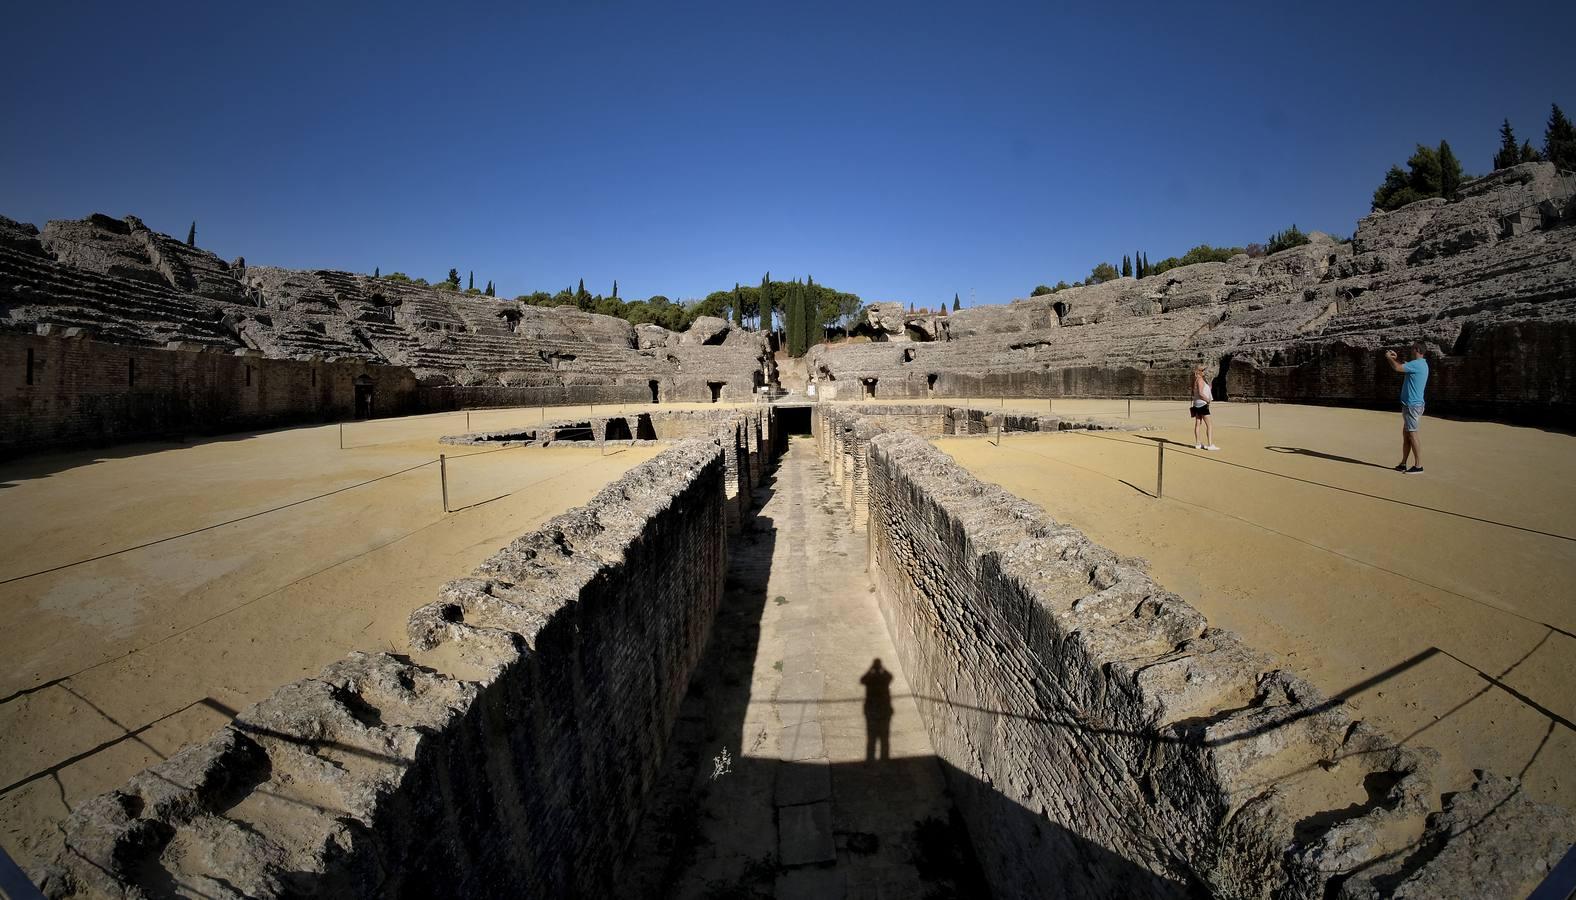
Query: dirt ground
x=109, y=666
x=1449, y=631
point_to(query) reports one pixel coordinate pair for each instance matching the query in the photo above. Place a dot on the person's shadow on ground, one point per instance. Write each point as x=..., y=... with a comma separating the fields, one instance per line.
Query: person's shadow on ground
x=1300, y=451
x=878, y=710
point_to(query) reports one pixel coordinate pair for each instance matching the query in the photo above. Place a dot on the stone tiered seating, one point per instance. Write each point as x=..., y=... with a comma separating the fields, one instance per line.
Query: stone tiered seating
x=39, y=291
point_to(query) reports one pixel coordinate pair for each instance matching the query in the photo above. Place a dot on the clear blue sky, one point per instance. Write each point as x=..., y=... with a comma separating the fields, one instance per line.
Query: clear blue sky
x=901, y=151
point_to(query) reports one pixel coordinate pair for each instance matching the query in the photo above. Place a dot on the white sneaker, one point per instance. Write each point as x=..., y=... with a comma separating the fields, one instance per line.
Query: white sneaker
x=1198, y=446
x=1212, y=447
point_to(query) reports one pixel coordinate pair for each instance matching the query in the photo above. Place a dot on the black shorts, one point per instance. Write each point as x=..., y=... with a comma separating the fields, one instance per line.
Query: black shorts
x=1200, y=412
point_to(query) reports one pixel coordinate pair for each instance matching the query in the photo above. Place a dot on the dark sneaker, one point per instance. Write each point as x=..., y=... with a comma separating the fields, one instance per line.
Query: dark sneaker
x=1415, y=470
x=1401, y=467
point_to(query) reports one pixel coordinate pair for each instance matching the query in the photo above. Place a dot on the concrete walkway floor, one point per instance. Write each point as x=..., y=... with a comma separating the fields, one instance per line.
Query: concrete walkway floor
x=777, y=783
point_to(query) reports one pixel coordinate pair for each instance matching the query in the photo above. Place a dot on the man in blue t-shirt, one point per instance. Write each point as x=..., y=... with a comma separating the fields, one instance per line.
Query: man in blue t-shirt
x=1414, y=377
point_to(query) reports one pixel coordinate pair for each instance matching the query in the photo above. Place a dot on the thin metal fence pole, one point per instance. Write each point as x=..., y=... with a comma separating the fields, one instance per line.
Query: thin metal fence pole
x=1129, y=407
x=1160, y=473
x=467, y=420
x=1259, y=408
x=341, y=435
x=443, y=479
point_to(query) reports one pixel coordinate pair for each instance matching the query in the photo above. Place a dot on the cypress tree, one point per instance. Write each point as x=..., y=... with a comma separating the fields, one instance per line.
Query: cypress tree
x=956, y=305
x=763, y=304
x=191, y=235
x=738, y=307
x=615, y=289
x=1507, y=155
x=812, y=314
x=1127, y=266
x=489, y=291
x=1449, y=171
x=1559, y=140
x=794, y=320
x=375, y=272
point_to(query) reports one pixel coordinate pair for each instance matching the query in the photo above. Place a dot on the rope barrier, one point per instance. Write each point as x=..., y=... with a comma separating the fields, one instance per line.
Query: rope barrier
x=1346, y=490
x=1362, y=562
x=204, y=528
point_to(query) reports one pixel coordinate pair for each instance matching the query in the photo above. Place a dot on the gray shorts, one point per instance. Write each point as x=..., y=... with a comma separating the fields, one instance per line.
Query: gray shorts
x=1411, y=415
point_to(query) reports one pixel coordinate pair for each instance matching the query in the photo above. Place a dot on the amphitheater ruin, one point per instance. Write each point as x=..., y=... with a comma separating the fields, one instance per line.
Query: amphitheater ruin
x=323, y=584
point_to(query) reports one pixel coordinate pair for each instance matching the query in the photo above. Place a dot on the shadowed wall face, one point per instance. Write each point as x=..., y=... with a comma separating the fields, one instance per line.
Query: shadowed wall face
x=61, y=392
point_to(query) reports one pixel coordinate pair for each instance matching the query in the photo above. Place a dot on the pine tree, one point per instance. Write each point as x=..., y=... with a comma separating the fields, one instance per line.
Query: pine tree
x=1559, y=140
x=1449, y=171
x=1530, y=153
x=1507, y=155
x=454, y=277
x=191, y=236
x=956, y=305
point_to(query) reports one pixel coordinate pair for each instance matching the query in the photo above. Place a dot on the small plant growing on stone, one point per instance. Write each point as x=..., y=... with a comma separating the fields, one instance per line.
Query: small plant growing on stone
x=721, y=764
x=778, y=665
x=779, y=599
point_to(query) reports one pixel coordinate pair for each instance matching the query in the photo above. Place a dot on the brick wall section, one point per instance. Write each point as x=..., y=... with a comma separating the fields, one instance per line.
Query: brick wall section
x=524, y=780
x=84, y=392
x=1110, y=743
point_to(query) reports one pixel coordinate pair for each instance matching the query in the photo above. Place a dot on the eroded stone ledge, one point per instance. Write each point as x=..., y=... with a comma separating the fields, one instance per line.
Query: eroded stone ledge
x=1160, y=755
x=385, y=777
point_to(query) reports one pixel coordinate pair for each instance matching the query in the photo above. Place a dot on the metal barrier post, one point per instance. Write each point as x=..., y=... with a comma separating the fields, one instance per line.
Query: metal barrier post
x=467, y=420
x=341, y=435
x=1259, y=408
x=1160, y=473
x=443, y=479
x=1129, y=407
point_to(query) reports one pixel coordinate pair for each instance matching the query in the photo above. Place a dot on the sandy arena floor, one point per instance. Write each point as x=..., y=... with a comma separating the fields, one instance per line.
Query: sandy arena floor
x=1435, y=627
x=109, y=666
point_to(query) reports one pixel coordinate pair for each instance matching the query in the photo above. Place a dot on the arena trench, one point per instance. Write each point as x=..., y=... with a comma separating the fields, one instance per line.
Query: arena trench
x=656, y=693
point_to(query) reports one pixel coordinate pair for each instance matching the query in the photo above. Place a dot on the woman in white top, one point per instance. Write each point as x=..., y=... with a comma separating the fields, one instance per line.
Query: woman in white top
x=1200, y=412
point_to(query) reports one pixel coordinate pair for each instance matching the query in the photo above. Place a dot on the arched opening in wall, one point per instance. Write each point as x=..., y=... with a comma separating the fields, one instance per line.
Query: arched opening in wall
x=656, y=390
x=1061, y=311
x=644, y=430
x=930, y=383
x=793, y=419
x=363, y=396
x=916, y=333
x=618, y=430
x=1218, y=386
x=759, y=380
x=908, y=355
x=869, y=388
x=716, y=390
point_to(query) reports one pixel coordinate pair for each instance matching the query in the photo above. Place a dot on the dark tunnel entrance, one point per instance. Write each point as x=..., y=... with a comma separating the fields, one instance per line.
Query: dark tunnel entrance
x=618, y=430
x=794, y=419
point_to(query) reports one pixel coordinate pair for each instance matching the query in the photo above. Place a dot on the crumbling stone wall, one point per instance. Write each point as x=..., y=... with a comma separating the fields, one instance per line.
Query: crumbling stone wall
x=1486, y=280
x=61, y=391
x=384, y=778
x=1108, y=742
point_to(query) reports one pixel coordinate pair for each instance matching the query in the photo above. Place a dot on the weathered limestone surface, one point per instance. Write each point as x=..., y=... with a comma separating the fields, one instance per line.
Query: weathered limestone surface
x=1105, y=741
x=383, y=778
x=1487, y=282
x=61, y=388
x=123, y=283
